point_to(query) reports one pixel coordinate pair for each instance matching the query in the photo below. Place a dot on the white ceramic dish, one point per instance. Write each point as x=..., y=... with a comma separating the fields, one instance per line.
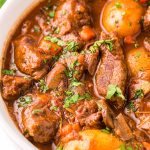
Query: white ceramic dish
x=11, y=15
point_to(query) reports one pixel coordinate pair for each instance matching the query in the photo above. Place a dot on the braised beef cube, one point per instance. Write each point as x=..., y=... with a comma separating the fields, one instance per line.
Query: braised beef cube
x=14, y=86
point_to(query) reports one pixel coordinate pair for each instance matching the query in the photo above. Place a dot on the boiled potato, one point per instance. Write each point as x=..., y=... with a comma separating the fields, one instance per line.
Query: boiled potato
x=122, y=16
x=94, y=140
x=138, y=59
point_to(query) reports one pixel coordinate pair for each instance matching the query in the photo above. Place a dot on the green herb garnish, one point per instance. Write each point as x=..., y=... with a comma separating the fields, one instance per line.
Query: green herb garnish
x=59, y=148
x=106, y=130
x=75, y=83
x=55, y=40
x=55, y=108
x=97, y=44
x=42, y=85
x=36, y=28
x=24, y=101
x=37, y=111
x=131, y=106
x=118, y=5
x=8, y=72
x=139, y=93
x=123, y=147
x=114, y=90
x=71, y=100
x=52, y=14
x=71, y=46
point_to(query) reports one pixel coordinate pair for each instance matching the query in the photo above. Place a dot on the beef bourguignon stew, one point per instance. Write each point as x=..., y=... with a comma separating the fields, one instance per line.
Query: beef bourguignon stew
x=77, y=75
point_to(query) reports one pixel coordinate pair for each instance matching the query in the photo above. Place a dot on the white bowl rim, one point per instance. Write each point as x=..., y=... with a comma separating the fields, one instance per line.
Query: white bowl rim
x=7, y=21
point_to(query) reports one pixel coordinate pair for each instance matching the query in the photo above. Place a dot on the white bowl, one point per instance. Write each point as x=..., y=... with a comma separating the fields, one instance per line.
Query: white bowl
x=11, y=15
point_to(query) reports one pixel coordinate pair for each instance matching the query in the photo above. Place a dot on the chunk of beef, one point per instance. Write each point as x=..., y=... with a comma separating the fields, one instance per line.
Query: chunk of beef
x=112, y=68
x=91, y=60
x=71, y=15
x=147, y=43
x=87, y=114
x=122, y=129
x=49, y=48
x=73, y=36
x=143, y=114
x=139, y=111
x=28, y=59
x=35, y=117
x=14, y=86
x=107, y=113
x=74, y=62
x=147, y=20
x=56, y=75
x=140, y=83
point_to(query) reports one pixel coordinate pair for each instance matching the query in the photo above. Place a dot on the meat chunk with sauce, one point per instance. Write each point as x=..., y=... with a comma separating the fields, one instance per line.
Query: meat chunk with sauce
x=74, y=63
x=28, y=59
x=56, y=75
x=88, y=114
x=35, y=118
x=147, y=20
x=139, y=85
x=122, y=129
x=111, y=69
x=147, y=43
x=91, y=59
x=143, y=114
x=71, y=15
x=14, y=86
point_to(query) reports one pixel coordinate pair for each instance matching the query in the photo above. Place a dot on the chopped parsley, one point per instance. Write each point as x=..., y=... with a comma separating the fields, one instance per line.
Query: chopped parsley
x=55, y=40
x=57, y=30
x=75, y=83
x=71, y=46
x=42, y=85
x=68, y=46
x=37, y=111
x=123, y=147
x=97, y=44
x=71, y=100
x=60, y=147
x=36, y=28
x=106, y=130
x=114, y=90
x=24, y=101
x=118, y=5
x=131, y=106
x=52, y=14
x=139, y=93
x=86, y=96
x=8, y=72
x=55, y=108
x=70, y=72
x=138, y=54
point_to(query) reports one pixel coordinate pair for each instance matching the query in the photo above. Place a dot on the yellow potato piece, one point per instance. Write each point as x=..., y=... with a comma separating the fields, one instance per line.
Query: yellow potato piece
x=94, y=140
x=138, y=59
x=122, y=16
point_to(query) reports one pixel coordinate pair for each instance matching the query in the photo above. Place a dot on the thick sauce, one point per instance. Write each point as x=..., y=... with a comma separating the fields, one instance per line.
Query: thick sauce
x=63, y=75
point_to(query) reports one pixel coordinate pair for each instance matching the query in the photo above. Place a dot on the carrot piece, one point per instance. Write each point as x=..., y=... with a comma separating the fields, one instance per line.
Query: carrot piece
x=143, y=1
x=87, y=33
x=129, y=40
